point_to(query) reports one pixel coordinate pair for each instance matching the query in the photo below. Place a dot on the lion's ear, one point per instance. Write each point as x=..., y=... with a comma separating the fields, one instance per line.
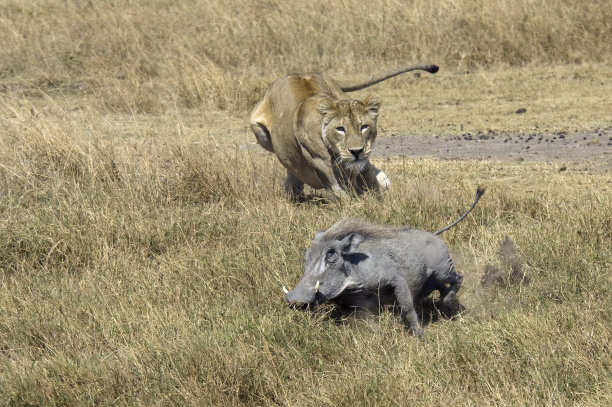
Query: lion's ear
x=372, y=103
x=327, y=107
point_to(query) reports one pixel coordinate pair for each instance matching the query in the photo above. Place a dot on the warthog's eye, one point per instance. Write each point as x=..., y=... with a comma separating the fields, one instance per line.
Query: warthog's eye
x=341, y=130
x=330, y=255
x=364, y=128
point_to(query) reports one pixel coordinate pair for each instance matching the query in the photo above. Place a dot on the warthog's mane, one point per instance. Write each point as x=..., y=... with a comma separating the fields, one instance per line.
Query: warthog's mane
x=366, y=229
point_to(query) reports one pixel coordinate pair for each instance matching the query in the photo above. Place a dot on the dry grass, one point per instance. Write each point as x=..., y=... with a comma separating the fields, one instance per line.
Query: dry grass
x=149, y=275
x=221, y=54
x=142, y=248
x=569, y=98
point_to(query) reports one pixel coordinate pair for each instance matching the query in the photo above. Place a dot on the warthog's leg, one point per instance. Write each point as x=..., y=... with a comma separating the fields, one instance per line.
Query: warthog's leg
x=449, y=298
x=406, y=303
x=448, y=294
x=294, y=187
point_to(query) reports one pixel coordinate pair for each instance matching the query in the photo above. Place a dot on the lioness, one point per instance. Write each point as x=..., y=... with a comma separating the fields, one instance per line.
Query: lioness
x=321, y=135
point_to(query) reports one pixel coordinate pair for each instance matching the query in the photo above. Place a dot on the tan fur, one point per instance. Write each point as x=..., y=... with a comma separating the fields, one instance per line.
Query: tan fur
x=288, y=121
x=321, y=135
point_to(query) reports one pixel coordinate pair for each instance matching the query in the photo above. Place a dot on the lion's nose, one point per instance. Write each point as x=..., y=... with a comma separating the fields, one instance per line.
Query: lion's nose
x=356, y=152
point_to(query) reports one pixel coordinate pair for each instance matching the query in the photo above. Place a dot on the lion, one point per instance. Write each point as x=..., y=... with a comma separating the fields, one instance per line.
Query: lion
x=321, y=135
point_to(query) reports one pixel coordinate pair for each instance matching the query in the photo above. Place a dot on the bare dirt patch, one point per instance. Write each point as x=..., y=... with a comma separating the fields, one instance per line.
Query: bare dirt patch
x=580, y=150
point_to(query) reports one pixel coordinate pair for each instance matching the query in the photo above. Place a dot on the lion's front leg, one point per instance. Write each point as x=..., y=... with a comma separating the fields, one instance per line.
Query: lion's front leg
x=328, y=177
x=372, y=179
x=294, y=187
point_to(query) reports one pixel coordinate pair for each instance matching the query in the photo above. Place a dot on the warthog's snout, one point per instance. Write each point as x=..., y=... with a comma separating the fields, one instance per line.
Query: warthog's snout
x=302, y=297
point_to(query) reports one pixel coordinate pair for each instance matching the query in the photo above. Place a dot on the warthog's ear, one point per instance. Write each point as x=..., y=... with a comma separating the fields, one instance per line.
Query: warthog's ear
x=319, y=235
x=349, y=243
x=327, y=107
x=372, y=103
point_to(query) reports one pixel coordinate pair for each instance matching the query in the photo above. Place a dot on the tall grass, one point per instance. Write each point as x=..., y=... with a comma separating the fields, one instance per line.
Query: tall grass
x=222, y=54
x=143, y=243
x=150, y=274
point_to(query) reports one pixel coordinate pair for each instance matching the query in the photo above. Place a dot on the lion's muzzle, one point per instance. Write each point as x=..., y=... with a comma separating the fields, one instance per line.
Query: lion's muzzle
x=355, y=166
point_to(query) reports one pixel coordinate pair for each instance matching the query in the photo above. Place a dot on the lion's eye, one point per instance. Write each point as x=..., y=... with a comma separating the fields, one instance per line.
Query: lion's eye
x=341, y=130
x=364, y=127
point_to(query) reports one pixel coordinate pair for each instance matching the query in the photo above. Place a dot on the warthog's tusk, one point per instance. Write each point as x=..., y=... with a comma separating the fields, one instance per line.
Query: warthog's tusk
x=317, y=287
x=285, y=290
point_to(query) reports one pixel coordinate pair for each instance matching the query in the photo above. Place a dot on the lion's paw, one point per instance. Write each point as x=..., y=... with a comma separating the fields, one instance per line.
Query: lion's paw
x=383, y=181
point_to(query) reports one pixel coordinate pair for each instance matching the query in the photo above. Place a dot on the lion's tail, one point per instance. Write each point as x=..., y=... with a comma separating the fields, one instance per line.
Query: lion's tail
x=351, y=87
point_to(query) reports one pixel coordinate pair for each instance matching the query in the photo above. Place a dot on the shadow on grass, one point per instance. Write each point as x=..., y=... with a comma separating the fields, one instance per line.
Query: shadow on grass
x=311, y=199
x=433, y=309
x=430, y=311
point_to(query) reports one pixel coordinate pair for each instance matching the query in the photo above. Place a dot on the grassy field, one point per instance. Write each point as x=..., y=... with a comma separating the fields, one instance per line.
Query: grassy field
x=144, y=243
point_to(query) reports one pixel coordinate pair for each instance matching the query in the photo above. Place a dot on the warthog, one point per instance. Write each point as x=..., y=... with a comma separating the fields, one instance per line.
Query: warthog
x=363, y=265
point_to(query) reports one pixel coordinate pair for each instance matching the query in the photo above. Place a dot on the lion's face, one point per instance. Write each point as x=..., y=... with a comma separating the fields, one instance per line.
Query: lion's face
x=349, y=129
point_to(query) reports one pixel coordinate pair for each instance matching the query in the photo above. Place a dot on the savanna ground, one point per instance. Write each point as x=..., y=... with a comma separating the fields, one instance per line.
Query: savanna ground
x=144, y=238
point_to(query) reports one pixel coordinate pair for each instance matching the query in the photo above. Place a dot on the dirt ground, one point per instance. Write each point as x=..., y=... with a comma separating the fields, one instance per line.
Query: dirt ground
x=588, y=150
x=579, y=151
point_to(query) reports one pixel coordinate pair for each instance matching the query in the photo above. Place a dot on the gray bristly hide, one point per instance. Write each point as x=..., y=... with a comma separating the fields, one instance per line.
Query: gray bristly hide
x=364, y=265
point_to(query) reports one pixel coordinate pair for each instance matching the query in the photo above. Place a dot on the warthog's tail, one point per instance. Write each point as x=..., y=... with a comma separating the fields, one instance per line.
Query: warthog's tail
x=351, y=87
x=479, y=192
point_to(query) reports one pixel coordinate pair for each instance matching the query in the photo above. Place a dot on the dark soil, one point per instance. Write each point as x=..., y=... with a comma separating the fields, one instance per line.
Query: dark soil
x=581, y=150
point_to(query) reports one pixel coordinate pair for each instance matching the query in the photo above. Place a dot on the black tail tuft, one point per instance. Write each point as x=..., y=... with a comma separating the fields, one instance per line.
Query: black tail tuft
x=432, y=68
